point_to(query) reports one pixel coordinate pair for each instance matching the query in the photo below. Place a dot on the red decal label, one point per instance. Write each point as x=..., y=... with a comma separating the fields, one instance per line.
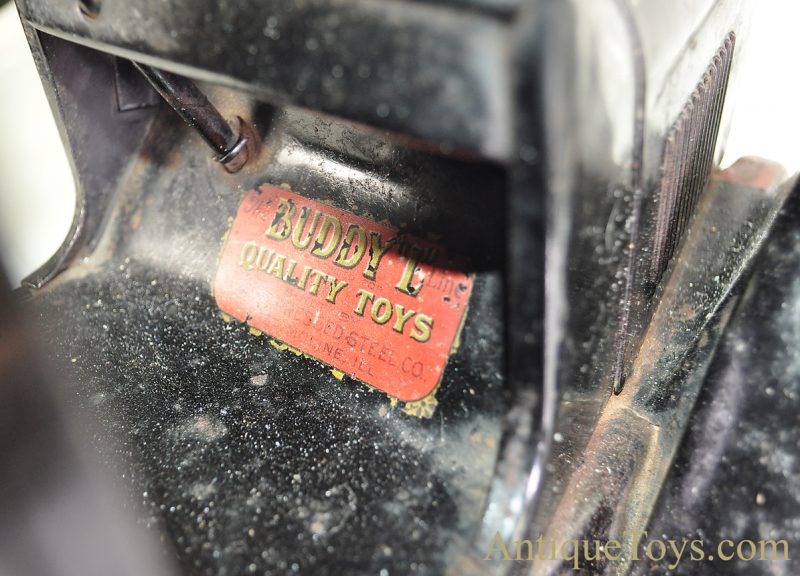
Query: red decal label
x=379, y=305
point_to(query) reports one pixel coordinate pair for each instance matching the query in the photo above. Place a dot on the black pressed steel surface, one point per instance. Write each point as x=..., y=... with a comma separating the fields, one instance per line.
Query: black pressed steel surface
x=532, y=140
x=735, y=476
x=244, y=456
x=394, y=65
x=255, y=459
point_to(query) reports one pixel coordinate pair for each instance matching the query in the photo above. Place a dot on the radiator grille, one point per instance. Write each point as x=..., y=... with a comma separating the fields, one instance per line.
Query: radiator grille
x=688, y=155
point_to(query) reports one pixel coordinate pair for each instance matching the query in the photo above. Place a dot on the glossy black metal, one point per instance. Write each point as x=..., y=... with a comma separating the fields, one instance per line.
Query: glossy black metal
x=710, y=26
x=219, y=432
x=526, y=137
x=435, y=72
x=735, y=476
x=83, y=93
x=404, y=472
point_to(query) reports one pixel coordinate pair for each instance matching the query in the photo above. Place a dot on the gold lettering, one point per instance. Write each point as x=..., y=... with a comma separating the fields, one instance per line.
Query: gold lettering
x=526, y=544
x=288, y=277
x=423, y=325
x=300, y=242
x=276, y=268
x=354, y=233
x=539, y=542
x=678, y=552
x=317, y=278
x=497, y=545
x=247, y=260
x=376, y=253
x=610, y=547
x=402, y=317
x=284, y=214
x=409, y=271
x=649, y=550
x=334, y=289
x=262, y=263
x=574, y=556
x=720, y=554
x=597, y=550
x=697, y=548
x=636, y=538
x=363, y=298
x=329, y=225
x=774, y=544
x=304, y=278
x=381, y=317
x=740, y=554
